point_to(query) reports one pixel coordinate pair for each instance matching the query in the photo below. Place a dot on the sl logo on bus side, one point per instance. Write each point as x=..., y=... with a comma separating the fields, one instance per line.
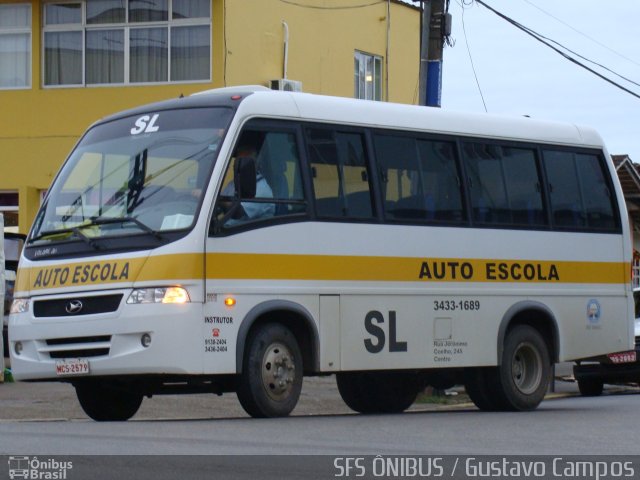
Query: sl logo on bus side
x=145, y=124
x=379, y=334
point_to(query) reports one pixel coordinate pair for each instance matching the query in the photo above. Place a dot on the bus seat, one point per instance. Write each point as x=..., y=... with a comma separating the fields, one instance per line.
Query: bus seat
x=359, y=204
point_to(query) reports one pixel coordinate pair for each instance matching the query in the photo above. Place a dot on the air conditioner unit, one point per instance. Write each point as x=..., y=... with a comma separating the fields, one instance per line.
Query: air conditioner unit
x=286, y=85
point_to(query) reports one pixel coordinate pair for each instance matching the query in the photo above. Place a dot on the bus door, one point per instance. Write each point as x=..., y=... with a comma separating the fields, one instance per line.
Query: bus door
x=261, y=189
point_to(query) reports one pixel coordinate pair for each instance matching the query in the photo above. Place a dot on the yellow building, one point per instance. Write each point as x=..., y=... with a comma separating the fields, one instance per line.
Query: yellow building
x=66, y=63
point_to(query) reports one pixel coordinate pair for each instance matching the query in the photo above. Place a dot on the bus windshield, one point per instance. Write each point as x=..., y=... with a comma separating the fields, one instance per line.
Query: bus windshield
x=143, y=174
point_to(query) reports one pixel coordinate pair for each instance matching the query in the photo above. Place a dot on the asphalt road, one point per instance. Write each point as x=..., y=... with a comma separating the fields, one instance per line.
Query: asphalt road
x=205, y=436
x=46, y=419
x=571, y=426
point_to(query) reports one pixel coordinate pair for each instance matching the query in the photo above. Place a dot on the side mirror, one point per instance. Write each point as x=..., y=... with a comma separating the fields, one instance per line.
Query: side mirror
x=244, y=177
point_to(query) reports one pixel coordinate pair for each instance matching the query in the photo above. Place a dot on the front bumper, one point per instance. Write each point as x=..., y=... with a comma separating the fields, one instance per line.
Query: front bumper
x=110, y=341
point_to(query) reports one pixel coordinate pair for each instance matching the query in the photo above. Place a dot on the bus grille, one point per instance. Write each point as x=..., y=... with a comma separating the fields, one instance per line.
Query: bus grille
x=79, y=347
x=88, y=306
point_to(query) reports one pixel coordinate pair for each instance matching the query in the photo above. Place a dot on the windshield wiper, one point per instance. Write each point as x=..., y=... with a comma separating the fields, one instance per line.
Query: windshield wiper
x=109, y=220
x=75, y=230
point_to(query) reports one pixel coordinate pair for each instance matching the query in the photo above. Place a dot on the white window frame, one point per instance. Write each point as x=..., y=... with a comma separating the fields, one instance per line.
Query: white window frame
x=127, y=27
x=373, y=86
x=21, y=30
x=10, y=208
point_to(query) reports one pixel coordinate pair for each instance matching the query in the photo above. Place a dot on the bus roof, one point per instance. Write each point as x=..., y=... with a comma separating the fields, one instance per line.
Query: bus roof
x=257, y=101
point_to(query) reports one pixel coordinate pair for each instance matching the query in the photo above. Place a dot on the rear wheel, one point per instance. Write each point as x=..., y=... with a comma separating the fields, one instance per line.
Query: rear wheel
x=378, y=392
x=478, y=388
x=590, y=387
x=521, y=380
x=107, y=403
x=271, y=378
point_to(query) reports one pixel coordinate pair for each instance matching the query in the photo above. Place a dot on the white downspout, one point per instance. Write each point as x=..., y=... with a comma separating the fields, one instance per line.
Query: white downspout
x=286, y=49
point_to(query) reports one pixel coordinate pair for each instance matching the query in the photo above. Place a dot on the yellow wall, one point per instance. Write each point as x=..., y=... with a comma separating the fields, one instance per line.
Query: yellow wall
x=39, y=126
x=322, y=43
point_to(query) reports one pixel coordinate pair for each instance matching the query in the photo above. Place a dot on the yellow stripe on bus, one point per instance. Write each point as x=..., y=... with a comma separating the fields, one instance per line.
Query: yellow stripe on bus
x=126, y=270
x=401, y=269
x=245, y=266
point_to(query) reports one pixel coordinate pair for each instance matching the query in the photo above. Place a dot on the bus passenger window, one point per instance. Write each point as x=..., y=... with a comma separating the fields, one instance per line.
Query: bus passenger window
x=340, y=174
x=278, y=187
x=420, y=181
x=504, y=185
x=580, y=196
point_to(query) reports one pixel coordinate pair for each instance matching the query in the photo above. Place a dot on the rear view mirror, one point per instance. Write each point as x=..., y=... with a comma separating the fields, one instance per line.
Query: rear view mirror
x=244, y=177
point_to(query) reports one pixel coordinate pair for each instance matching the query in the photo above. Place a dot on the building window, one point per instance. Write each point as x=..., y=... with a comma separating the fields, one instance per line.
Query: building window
x=102, y=42
x=367, y=76
x=15, y=45
x=9, y=209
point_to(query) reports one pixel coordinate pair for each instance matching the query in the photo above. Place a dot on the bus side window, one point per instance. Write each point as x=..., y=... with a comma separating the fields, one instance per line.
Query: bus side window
x=442, y=187
x=419, y=178
x=596, y=193
x=281, y=167
x=340, y=175
x=580, y=195
x=504, y=185
x=278, y=180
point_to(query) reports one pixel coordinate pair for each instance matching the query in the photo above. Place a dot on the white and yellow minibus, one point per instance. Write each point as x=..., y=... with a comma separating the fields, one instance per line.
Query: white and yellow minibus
x=240, y=239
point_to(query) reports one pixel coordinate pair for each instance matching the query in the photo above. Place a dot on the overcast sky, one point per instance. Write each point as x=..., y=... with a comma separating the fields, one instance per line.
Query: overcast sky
x=518, y=75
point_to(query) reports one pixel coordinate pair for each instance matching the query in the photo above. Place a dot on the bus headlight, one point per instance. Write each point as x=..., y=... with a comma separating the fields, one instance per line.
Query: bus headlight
x=159, y=295
x=20, y=305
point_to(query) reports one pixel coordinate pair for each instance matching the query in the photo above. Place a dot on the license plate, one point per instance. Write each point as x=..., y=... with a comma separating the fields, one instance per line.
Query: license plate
x=623, y=357
x=74, y=366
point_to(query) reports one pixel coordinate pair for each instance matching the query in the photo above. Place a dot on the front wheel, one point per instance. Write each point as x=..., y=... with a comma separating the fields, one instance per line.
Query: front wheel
x=271, y=378
x=107, y=403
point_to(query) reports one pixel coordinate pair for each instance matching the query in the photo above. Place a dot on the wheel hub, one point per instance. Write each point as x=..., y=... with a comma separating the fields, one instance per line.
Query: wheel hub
x=526, y=368
x=278, y=371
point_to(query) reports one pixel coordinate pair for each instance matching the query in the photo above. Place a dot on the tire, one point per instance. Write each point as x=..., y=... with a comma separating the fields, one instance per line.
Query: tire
x=105, y=403
x=271, y=378
x=522, y=379
x=477, y=386
x=378, y=392
x=590, y=387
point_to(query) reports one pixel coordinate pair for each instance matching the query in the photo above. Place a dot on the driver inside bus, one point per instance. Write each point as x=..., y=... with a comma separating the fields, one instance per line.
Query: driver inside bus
x=250, y=210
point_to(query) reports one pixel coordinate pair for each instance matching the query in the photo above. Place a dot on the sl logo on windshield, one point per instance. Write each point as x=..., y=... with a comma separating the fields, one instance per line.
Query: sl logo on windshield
x=145, y=124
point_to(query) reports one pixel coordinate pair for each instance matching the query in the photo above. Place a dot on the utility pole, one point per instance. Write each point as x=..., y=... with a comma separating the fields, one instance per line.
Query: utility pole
x=435, y=25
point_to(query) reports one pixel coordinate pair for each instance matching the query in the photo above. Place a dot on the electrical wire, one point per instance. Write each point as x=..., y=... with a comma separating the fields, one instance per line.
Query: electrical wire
x=584, y=58
x=582, y=33
x=466, y=41
x=317, y=7
x=542, y=39
x=576, y=53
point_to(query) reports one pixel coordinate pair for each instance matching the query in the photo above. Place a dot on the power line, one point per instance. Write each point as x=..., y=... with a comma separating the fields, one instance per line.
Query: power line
x=576, y=53
x=466, y=41
x=582, y=33
x=585, y=58
x=317, y=7
x=541, y=39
